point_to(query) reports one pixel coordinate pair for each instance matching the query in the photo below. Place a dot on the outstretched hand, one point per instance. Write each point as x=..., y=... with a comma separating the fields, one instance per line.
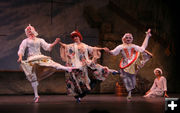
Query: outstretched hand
x=106, y=49
x=148, y=33
x=20, y=58
x=57, y=40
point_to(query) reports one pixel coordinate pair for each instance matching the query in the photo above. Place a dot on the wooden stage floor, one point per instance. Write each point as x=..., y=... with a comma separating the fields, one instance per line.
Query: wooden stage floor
x=90, y=104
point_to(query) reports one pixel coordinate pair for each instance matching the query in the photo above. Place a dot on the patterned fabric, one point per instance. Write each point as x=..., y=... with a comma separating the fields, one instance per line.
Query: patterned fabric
x=80, y=82
x=134, y=58
x=128, y=74
x=142, y=58
x=38, y=68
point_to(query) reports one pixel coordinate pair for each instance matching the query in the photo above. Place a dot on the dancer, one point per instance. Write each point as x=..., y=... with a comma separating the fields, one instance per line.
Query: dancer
x=134, y=58
x=159, y=87
x=37, y=66
x=83, y=56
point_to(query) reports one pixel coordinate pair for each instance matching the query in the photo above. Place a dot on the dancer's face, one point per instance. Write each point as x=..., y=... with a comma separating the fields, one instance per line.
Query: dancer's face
x=76, y=39
x=157, y=73
x=30, y=33
x=128, y=40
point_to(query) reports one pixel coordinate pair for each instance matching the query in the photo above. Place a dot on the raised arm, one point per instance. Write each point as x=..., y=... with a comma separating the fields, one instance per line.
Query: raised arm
x=145, y=43
x=48, y=47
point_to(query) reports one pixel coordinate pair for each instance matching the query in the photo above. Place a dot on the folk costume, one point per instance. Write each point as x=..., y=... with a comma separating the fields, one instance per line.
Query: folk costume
x=37, y=66
x=84, y=57
x=133, y=58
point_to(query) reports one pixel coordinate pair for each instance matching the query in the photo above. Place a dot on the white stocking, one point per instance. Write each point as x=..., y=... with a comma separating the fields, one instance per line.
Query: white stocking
x=35, y=88
x=129, y=93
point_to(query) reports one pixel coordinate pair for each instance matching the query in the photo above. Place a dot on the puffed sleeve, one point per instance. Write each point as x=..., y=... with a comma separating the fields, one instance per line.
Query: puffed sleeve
x=45, y=45
x=22, y=47
x=117, y=50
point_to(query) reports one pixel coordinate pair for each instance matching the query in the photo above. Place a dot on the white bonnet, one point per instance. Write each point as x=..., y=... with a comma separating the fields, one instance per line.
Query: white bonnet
x=158, y=69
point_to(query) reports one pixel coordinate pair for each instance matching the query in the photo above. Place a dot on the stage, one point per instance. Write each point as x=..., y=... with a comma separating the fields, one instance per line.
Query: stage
x=90, y=104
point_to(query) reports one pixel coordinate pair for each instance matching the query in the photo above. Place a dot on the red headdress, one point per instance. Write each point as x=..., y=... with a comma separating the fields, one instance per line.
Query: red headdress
x=76, y=33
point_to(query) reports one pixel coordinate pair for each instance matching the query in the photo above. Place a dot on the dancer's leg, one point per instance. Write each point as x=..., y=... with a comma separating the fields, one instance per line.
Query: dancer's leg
x=34, y=84
x=129, y=82
x=35, y=89
x=58, y=66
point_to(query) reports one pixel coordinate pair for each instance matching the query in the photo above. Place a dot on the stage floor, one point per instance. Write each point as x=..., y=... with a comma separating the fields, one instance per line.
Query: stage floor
x=89, y=104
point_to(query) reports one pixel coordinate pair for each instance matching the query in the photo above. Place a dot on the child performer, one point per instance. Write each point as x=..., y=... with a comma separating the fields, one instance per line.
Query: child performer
x=36, y=60
x=134, y=57
x=83, y=56
x=159, y=87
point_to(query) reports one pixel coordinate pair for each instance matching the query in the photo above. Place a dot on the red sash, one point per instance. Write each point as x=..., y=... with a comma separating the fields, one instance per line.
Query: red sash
x=129, y=57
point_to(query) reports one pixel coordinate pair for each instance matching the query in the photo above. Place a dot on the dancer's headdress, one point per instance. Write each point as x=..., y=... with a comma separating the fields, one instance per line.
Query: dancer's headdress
x=158, y=69
x=76, y=33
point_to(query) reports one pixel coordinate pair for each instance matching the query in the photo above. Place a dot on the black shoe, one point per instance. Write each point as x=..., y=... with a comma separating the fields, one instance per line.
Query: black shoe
x=115, y=72
x=78, y=100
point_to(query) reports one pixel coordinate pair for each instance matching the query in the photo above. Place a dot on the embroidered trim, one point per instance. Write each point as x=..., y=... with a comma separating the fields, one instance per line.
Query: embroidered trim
x=136, y=56
x=127, y=53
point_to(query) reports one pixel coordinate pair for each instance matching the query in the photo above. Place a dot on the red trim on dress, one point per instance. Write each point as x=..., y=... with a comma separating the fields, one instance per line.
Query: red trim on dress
x=129, y=57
